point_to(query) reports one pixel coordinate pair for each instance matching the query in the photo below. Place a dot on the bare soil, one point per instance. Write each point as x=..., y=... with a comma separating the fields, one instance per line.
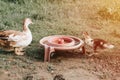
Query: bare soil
x=72, y=65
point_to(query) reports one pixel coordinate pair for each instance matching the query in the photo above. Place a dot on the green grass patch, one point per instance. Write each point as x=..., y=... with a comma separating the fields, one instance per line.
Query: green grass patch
x=51, y=17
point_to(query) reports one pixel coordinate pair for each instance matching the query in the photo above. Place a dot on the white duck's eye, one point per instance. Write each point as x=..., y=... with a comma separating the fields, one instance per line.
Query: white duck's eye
x=28, y=20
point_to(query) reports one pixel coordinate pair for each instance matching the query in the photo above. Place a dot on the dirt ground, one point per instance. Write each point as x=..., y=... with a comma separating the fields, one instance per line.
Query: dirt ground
x=69, y=65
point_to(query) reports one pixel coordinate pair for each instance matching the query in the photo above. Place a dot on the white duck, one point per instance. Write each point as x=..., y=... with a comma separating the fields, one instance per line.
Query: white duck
x=16, y=40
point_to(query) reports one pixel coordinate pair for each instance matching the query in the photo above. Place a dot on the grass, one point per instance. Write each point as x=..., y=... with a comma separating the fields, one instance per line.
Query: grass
x=50, y=17
x=68, y=17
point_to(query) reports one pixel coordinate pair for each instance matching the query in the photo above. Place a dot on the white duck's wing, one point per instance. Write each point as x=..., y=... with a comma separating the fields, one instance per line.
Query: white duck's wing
x=4, y=39
x=16, y=38
x=11, y=35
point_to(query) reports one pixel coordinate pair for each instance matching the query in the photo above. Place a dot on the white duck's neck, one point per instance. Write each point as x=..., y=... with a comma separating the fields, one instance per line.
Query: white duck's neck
x=26, y=28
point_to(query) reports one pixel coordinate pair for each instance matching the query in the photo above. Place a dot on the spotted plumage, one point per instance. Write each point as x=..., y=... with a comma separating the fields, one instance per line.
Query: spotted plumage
x=95, y=43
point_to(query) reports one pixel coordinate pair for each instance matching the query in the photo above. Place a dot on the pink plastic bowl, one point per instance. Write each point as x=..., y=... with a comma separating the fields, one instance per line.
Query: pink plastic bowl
x=72, y=42
x=61, y=41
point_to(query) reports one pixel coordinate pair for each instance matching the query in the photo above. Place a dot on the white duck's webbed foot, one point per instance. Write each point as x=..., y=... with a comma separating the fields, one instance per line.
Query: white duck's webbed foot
x=19, y=51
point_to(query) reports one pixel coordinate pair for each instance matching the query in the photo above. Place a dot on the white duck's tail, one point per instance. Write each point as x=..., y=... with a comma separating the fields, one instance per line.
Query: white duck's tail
x=109, y=46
